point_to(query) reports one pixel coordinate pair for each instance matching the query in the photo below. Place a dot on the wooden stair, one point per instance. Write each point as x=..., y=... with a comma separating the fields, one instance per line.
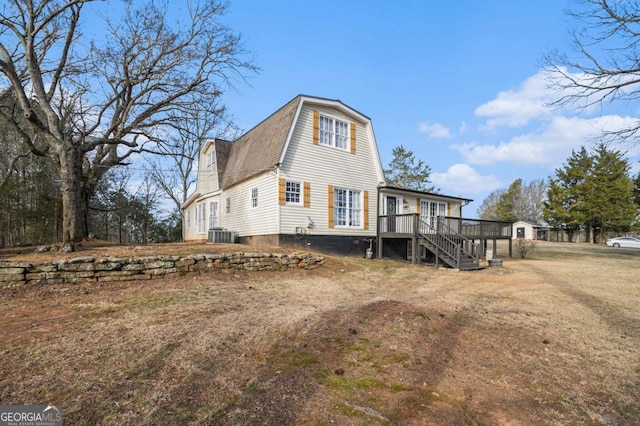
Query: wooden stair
x=450, y=247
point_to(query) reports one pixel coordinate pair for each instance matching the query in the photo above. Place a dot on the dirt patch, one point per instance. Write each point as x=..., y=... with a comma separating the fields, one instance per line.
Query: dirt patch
x=547, y=340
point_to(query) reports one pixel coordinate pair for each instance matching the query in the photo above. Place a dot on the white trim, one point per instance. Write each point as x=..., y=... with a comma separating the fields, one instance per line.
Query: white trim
x=277, y=183
x=373, y=145
x=349, y=208
x=206, y=145
x=253, y=199
x=290, y=134
x=333, y=144
x=335, y=104
x=212, y=210
x=299, y=203
x=191, y=199
x=203, y=197
x=399, y=204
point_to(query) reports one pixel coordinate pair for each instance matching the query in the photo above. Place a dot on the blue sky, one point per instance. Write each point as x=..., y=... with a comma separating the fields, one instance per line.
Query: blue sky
x=458, y=83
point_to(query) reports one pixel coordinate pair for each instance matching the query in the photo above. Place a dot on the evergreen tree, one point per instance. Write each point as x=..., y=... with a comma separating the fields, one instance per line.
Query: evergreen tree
x=592, y=192
x=557, y=210
x=636, y=191
x=610, y=203
x=564, y=207
x=506, y=207
x=405, y=171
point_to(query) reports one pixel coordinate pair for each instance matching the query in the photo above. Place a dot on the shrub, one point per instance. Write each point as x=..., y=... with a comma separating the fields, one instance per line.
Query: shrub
x=524, y=247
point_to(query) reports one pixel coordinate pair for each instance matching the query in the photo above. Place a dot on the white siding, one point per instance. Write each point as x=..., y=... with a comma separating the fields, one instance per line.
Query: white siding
x=261, y=220
x=207, y=176
x=412, y=200
x=191, y=232
x=188, y=229
x=322, y=166
x=528, y=230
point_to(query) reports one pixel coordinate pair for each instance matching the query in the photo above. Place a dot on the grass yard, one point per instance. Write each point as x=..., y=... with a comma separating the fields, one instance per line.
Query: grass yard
x=552, y=339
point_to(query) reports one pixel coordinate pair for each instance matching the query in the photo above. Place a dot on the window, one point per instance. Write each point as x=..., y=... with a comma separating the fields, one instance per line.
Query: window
x=213, y=215
x=227, y=205
x=201, y=217
x=254, y=198
x=347, y=208
x=429, y=212
x=211, y=162
x=188, y=219
x=334, y=133
x=293, y=192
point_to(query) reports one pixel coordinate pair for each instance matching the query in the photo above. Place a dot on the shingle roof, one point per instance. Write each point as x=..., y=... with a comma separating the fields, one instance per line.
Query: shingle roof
x=257, y=150
x=223, y=148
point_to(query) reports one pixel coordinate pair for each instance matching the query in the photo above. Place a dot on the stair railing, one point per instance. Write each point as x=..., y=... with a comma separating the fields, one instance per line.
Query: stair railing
x=467, y=247
x=449, y=241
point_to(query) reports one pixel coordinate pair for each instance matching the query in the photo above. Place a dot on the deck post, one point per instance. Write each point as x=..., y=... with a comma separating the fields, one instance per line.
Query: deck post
x=510, y=247
x=378, y=238
x=414, y=241
x=495, y=247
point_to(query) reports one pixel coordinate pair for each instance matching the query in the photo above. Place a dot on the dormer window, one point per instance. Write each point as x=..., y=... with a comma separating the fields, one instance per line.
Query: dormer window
x=211, y=161
x=334, y=133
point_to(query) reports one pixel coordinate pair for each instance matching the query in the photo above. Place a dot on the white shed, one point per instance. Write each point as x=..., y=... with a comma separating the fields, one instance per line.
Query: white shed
x=530, y=231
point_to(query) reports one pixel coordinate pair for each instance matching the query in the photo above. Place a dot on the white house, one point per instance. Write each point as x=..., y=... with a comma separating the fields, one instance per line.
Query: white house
x=309, y=174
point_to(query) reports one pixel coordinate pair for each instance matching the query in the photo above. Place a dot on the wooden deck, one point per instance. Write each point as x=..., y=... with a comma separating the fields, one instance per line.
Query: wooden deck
x=413, y=227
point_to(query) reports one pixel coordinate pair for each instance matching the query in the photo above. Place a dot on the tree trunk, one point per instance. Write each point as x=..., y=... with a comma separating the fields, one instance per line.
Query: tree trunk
x=72, y=200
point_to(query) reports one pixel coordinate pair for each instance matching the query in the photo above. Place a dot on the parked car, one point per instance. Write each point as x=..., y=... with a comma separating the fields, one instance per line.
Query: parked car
x=624, y=242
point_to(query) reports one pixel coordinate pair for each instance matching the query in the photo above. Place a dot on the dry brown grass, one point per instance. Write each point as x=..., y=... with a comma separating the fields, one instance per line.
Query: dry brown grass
x=552, y=339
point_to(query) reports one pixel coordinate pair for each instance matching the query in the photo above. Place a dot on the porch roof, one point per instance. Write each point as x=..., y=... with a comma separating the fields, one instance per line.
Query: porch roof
x=423, y=193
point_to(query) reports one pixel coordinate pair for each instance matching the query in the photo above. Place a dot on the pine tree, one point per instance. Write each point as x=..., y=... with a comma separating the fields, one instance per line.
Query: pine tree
x=636, y=191
x=564, y=208
x=509, y=202
x=406, y=172
x=610, y=203
x=556, y=210
x=592, y=192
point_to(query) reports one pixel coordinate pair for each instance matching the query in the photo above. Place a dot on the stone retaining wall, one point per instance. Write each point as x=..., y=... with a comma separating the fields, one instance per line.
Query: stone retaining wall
x=89, y=269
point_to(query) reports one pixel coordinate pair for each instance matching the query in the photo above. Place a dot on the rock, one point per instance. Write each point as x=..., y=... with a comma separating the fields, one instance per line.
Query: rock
x=67, y=248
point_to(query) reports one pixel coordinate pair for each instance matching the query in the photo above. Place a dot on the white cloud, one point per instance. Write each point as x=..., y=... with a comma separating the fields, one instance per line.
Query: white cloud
x=463, y=127
x=515, y=108
x=551, y=146
x=533, y=99
x=464, y=179
x=434, y=130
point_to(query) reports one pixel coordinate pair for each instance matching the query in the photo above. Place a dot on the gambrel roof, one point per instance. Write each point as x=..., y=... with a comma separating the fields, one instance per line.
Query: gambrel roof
x=260, y=148
x=263, y=147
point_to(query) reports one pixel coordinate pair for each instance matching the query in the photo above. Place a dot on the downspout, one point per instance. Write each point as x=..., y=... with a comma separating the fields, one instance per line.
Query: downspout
x=462, y=204
x=378, y=251
x=278, y=227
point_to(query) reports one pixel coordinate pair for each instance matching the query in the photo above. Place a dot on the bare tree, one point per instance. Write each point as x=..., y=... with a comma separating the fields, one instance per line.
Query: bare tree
x=142, y=206
x=520, y=201
x=535, y=193
x=97, y=107
x=606, y=67
x=174, y=171
x=488, y=210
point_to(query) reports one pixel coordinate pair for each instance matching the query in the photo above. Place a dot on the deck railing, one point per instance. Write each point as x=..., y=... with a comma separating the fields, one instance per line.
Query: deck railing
x=447, y=240
x=409, y=225
x=404, y=224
